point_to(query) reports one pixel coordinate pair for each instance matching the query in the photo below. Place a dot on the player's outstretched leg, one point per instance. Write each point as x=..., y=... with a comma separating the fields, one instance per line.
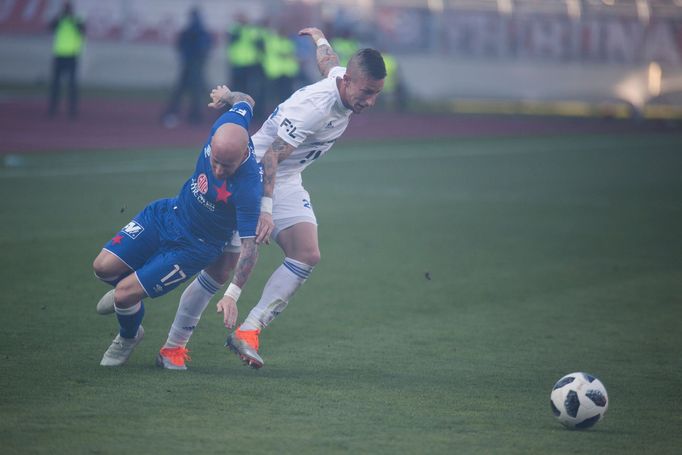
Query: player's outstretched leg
x=129, y=336
x=281, y=286
x=193, y=302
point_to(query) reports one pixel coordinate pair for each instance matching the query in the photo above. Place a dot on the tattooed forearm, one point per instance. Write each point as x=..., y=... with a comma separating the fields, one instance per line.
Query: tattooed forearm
x=326, y=59
x=269, y=163
x=246, y=263
x=276, y=153
x=233, y=98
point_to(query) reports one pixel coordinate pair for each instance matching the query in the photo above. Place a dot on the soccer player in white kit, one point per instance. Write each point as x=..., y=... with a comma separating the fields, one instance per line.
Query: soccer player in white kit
x=300, y=131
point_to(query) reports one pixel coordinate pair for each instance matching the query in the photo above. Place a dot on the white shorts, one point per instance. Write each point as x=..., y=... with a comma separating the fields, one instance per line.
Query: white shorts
x=234, y=245
x=291, y=205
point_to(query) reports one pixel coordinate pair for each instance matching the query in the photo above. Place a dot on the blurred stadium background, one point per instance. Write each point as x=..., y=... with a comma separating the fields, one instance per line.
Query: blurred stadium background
x=537, y=157
x=574, y=57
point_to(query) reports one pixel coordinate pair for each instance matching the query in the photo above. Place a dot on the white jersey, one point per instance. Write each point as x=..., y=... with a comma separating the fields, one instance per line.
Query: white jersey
x=311, y=120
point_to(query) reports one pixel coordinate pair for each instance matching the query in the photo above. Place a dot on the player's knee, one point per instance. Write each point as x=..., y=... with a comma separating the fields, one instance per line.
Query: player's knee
x=219, y=275
x=221, y=270
x=311, y=257
x=99, y=266
x=128, y=293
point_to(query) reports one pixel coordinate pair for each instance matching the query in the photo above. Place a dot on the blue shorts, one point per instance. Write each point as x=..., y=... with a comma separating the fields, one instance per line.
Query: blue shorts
x=161, y=252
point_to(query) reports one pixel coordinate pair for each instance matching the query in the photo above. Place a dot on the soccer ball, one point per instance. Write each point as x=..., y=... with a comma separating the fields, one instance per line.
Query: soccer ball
x=579, y=400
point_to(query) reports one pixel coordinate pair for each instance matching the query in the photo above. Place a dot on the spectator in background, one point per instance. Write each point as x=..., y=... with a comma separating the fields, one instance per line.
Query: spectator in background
x=345, y=46
x=245, y=54
x=69, y=36
x=305, y=54
x=193, y=45
x=281, y=67
x=395, y=94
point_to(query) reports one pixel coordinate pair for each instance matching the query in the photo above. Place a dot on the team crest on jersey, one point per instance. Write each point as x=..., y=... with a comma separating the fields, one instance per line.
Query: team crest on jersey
x=202, y=183
x=132, y=229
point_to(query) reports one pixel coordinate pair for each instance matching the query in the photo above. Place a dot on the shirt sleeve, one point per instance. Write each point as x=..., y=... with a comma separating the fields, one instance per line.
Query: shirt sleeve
x=240, y=114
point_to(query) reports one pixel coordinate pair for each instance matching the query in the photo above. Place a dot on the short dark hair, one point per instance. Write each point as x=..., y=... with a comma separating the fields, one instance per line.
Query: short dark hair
x=370, y=62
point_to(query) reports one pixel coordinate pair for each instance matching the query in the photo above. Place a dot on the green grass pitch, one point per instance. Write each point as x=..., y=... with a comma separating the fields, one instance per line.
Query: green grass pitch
x=459, y=280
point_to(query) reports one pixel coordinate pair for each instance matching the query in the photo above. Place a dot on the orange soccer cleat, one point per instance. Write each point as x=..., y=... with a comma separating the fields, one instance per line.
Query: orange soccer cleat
x=244, y=343
x=173, y=358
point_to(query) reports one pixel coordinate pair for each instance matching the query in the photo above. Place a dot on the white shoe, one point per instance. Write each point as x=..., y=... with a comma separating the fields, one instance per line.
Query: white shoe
x=120, y=350
x=106, y=303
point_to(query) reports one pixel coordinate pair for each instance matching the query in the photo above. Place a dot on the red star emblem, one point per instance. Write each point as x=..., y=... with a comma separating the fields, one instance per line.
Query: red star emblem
x=222, y=194
x=117, y=239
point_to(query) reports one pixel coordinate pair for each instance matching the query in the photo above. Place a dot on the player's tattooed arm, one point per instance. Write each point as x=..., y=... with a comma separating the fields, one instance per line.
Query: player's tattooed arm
x=326, y=57
x=222, y=96
x=247, y=261
x=276, y=153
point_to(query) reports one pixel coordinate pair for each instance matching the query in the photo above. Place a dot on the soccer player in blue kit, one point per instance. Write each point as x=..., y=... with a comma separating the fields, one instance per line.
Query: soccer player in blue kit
x=170, y=240
x=300, y=131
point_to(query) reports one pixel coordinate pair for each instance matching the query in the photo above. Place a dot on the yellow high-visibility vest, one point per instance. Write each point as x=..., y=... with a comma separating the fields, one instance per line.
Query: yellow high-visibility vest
x=344, y=49
x=280, y=57
x=68, y=40
x=390, y=81
x=243, y=51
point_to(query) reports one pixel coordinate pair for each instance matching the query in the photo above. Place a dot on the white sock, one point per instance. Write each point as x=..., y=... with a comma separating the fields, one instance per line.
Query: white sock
x=193, y=302
x=282, y=285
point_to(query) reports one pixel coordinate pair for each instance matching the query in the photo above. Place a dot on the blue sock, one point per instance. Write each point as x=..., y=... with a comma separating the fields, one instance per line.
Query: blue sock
x=130, y=319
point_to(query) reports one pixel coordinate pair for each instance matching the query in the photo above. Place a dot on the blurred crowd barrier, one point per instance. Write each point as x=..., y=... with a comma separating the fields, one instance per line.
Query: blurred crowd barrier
x=579, y=57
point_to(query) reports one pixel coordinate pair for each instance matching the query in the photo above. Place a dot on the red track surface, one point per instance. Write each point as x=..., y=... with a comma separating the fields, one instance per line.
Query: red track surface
x=123, y=124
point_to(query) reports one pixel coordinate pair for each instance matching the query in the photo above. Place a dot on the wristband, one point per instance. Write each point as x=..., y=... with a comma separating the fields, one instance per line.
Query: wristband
x=233, y=291
x=266, y=205
x=321, y=41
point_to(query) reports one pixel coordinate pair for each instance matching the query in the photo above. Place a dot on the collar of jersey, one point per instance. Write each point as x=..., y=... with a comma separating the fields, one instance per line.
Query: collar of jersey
x=339, y=102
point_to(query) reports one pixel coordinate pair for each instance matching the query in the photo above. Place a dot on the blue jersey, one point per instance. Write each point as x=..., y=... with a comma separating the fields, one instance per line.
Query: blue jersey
x=212, y=209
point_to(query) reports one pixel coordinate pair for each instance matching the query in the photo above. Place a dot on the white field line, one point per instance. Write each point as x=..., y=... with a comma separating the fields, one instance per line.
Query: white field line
x=158, y=165
x=155, y=166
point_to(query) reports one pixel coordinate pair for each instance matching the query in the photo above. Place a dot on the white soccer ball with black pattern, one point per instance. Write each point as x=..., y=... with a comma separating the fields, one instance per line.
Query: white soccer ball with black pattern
x=579, y=400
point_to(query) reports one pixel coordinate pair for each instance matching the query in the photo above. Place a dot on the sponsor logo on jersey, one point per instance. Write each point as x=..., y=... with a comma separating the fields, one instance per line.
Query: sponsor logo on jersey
x=207, y=150
x=202, y=183
x=241, y=112
x=289, y=128
x=195, y=187
x=132, y=229
x=329, y=125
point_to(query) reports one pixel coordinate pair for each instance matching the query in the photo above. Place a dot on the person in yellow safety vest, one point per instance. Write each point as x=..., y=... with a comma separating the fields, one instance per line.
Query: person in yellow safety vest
x=245, y=54
x=394, y=88
x=280, y=66
x=344, y=47
x=69, y=37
